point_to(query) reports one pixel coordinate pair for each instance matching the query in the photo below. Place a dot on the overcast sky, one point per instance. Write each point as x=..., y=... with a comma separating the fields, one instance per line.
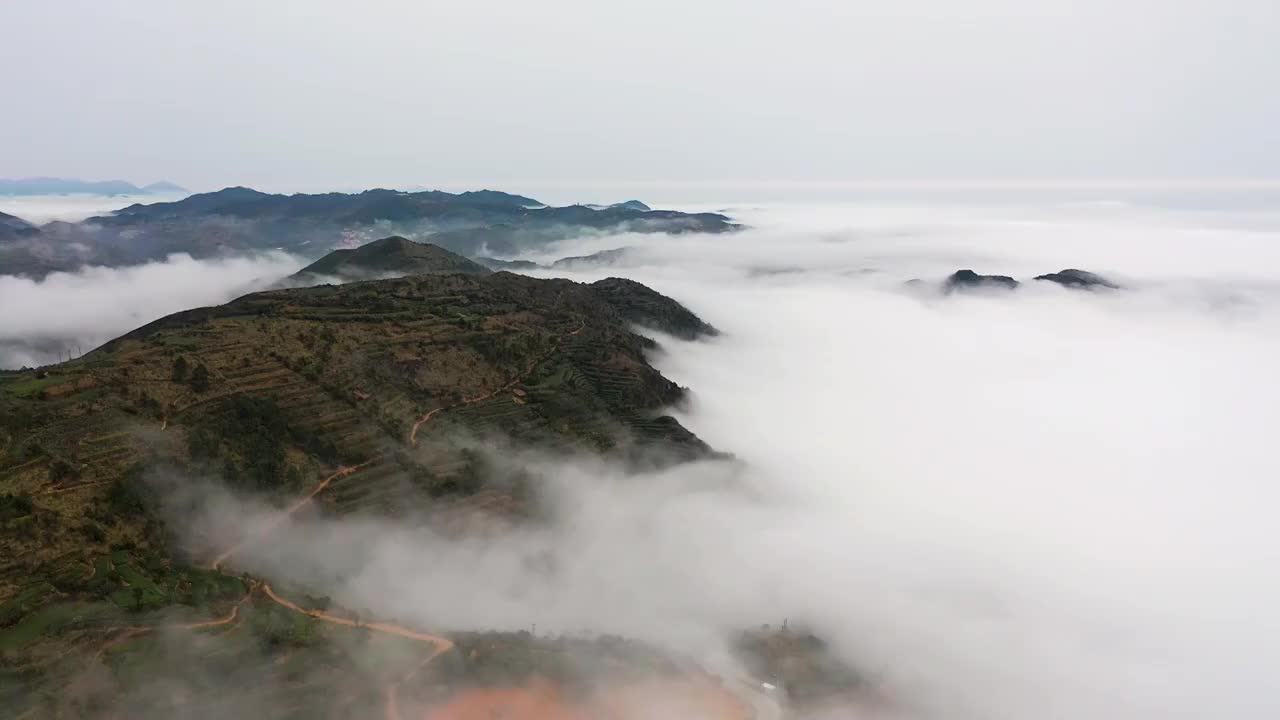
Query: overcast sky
x=340, y=94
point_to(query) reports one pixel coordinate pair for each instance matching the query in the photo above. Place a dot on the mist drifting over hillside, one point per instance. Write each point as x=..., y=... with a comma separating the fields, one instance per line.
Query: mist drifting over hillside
x=1003, y=504
x=68, y=314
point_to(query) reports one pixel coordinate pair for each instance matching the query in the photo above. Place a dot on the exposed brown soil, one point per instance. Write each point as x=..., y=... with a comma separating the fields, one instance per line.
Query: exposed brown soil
x=698, y=698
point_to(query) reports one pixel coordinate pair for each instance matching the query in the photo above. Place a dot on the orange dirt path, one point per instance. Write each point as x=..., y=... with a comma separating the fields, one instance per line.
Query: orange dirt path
x=413, y=432
x=442, y=644
x=230, y=618
x=295, y=507
x=134, y=631
x=539, y=701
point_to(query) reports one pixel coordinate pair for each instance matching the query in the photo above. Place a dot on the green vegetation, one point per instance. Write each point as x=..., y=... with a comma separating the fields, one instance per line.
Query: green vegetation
x=15, y=506
x=200, y=379
x=32, y=385
x=248, y=434
x=27, y=599
x=797, y=661
x=51, y=620
x=278, y=626
x=272, y=393
x=179, y=369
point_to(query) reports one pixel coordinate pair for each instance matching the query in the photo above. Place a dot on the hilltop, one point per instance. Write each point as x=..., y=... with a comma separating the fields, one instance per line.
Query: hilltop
x=389, y=256
x=240, y=220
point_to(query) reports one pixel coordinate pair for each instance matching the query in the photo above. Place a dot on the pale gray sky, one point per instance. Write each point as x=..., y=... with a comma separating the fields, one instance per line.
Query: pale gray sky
x=320, y=93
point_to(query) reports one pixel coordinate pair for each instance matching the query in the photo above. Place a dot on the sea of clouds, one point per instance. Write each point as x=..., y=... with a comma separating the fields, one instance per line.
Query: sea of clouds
x=41, y=209
x=68, y=314
x=1040, y=503
x=1044, y=503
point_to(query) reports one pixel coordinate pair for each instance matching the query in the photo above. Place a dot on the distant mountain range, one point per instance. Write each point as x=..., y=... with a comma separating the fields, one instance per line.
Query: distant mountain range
x=67, y=186
x=240, y=220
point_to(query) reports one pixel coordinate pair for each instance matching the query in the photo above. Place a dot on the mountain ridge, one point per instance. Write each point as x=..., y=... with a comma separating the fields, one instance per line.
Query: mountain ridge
x=241, y=220
x=75, y=186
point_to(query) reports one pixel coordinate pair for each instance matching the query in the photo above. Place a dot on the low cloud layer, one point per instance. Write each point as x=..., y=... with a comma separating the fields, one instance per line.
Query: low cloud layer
x=63, y=313
x=40, y=209
x=1040, y=503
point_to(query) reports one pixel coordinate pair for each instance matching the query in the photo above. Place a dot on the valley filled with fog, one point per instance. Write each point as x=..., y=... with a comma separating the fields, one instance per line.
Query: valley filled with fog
x=1042, y=502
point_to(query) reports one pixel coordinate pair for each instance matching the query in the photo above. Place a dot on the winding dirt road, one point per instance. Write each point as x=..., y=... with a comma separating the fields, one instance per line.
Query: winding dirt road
x=136, y=630
x=533, y=365
x=442, y=644
x=230, y=618
x=288, y=512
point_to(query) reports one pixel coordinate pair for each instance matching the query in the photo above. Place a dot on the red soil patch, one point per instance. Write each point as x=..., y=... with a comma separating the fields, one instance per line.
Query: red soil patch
x=693, y=699
x=536, y=702
x=685, y=699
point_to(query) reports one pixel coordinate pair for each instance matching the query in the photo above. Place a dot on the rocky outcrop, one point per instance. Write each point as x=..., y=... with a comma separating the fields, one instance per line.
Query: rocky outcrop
x=970, y=280
x=1078, y=279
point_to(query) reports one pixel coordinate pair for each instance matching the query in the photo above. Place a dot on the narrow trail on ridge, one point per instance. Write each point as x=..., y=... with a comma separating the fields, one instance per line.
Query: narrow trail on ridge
x=136, y=630
x=230, y=618
x=442, y=644
x=288, y=512
x=533, y=365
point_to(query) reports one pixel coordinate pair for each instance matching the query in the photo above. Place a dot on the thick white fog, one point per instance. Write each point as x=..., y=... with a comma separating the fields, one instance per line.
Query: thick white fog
x=40, y=209
x=1042, y=503
x=44, y=320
